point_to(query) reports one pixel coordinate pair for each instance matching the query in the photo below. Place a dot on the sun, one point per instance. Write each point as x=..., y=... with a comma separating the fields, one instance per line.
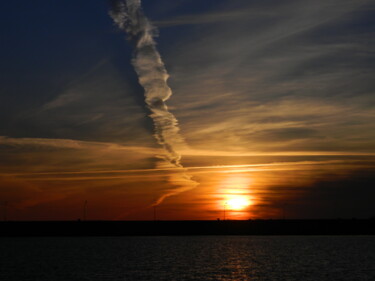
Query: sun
x=238, y=202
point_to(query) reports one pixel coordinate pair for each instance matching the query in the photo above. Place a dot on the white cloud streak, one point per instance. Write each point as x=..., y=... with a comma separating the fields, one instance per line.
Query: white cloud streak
x=152, y=75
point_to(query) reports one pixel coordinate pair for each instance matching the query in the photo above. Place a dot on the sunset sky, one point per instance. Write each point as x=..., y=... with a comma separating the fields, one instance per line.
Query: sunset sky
x=275, y=102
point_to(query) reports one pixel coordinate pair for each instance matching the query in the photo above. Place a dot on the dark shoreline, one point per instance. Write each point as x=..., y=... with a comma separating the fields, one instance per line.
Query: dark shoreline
x=176, y=228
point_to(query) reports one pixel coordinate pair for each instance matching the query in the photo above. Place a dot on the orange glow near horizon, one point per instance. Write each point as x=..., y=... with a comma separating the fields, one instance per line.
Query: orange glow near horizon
x=235, y=196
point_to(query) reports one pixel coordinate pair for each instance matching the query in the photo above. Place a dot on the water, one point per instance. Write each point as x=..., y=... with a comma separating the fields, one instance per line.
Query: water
x=254, y=258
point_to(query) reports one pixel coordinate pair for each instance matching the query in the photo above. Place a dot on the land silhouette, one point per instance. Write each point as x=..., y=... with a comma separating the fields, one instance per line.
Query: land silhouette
x=227, y=227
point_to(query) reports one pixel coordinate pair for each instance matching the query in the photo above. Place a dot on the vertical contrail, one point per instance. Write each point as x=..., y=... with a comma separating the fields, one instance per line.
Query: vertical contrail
x=152, y=75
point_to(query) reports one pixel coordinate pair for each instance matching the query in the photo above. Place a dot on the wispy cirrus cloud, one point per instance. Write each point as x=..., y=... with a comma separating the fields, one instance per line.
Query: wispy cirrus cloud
x=210, y=17
x=292, y=77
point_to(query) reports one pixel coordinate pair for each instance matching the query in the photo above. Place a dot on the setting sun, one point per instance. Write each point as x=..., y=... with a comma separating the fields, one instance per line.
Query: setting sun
x=238, y=202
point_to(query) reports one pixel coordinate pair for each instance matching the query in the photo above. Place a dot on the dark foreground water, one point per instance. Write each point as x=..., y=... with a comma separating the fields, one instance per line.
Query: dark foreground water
x=299, y=258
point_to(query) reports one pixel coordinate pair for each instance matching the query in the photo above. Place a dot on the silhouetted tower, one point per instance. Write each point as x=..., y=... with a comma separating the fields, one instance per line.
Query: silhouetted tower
x=225, y=207
x=5, y=206
x=84, y=210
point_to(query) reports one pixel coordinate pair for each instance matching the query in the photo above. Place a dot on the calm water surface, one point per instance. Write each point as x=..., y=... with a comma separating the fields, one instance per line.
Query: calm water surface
x=255, y=258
